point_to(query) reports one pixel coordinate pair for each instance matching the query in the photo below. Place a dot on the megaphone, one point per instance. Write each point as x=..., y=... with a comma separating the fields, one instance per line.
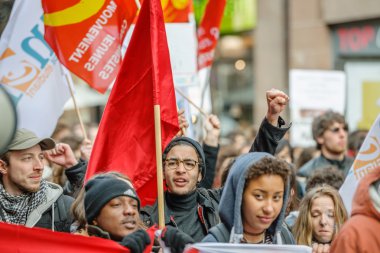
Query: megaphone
x=8, y=119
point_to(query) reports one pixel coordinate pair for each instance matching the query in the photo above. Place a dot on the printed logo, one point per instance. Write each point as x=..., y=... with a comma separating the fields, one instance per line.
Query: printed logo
x=129, y=192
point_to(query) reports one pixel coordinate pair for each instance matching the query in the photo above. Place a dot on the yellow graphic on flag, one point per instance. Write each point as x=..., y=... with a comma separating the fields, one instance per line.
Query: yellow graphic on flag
x=74, y=14
x=368, y=159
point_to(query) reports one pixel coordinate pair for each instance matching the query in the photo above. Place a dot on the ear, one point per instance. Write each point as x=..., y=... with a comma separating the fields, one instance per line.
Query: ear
x=320, y=140
x=199, y=176
x=94, y=222
x=3, y=167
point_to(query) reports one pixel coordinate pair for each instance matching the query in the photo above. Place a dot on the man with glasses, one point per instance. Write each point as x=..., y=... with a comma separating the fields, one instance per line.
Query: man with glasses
x=330, y=131
x=191, y=208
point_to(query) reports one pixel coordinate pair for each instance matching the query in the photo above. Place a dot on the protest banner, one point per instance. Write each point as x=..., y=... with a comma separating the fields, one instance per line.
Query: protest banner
x=30, y=71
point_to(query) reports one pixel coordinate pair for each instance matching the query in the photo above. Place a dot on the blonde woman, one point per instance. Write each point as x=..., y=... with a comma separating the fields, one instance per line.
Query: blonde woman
x=321, y=216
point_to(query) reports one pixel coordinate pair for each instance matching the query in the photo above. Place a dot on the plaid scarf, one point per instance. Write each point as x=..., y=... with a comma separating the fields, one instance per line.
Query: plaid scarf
x=16, y=209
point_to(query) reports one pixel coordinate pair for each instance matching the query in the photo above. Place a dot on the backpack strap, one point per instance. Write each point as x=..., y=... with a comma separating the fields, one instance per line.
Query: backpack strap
x=220, y=232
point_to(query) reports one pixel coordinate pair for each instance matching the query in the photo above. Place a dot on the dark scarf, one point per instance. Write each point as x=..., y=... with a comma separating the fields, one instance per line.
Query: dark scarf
x=16, y=209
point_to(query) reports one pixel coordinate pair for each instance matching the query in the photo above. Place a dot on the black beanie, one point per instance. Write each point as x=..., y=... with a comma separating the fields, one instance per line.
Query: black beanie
x=194, y=144
x=100, y=190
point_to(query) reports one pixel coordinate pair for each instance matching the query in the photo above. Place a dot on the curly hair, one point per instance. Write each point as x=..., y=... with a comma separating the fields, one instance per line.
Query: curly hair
x=303, y=228
x=329, y=175
x=323, y=122
x=268, y=166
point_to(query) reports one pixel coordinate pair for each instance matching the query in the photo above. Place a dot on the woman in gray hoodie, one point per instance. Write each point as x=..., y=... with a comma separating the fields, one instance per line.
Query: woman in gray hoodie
x=253, y=203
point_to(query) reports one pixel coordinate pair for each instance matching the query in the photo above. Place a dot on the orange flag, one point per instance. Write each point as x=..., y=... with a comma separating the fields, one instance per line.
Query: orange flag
x=87, y=35
x=126, y=139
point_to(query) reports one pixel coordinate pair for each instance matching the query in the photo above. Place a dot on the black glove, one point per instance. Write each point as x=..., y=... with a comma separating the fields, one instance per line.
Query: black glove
x=136, y=241
x=174, y=239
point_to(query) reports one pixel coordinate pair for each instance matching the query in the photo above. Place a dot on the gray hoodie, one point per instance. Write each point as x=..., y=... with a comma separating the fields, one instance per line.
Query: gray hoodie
x=231, y=201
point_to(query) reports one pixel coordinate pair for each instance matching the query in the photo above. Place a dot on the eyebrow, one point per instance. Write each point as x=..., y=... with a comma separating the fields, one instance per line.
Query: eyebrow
x=266, y=191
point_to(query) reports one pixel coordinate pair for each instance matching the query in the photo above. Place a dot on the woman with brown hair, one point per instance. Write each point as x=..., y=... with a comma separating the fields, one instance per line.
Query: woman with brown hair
x=321, y=216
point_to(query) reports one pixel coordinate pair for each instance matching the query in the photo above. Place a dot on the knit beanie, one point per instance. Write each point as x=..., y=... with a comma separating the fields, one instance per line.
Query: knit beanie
x=186, y=141
x=100, y=190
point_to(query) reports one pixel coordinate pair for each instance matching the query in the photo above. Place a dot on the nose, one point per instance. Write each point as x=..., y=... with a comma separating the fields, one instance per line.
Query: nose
x=129, y=209
x=323, y=221
x=268, y=207
x=38, y=164
x=181, y=167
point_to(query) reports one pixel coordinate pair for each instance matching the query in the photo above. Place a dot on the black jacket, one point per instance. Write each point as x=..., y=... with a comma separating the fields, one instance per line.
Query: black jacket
x=208, y=199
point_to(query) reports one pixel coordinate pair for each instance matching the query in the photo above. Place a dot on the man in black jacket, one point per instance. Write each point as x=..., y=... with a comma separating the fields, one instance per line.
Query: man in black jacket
x=192, y=209
x=25, y=198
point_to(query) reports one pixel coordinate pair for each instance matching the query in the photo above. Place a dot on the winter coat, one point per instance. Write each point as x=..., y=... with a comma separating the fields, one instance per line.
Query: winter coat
x=321, y=161
x=360, y=234
x=56, y=208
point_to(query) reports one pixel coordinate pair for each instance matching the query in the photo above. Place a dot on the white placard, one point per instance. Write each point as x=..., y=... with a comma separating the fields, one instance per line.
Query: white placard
x=313, y=92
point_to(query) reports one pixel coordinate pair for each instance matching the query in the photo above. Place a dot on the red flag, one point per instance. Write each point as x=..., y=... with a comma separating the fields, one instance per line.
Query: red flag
x=20, y=239
x=126, y=139
x=87, y=36
x=208, y=32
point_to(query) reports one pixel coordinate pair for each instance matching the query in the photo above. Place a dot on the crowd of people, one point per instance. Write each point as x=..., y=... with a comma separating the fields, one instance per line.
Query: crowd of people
x=260, y=191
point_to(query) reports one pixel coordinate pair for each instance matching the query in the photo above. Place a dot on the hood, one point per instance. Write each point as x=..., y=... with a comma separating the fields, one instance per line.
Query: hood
x=231, y=199
x=367, y=196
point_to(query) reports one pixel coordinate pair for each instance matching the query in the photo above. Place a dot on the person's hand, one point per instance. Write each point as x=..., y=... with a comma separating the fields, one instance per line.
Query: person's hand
x=321, y=248
x=182, y=122
x=175, y=239
x=85, y=149
x=137, y=241
x=212, y=126
x=276, y=101
x=62, y=155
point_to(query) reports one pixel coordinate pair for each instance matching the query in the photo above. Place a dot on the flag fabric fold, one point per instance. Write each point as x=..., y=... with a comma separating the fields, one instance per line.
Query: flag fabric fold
x=20, y=239
x=126, y=136
x=87, y=36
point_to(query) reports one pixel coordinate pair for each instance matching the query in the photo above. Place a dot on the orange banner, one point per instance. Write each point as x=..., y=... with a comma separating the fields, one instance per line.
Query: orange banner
x=86, y=36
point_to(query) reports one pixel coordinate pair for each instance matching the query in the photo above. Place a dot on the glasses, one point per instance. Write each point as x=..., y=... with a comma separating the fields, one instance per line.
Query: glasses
x=188, y=164
x=337, y=129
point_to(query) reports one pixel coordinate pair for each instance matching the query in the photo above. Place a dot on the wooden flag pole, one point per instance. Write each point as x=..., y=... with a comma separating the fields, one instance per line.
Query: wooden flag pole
x=191, y=102
x=76, y=107
x=160, y=177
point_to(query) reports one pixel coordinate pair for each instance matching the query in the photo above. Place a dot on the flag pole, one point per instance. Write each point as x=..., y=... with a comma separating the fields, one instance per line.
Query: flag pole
x=191, y=102
x=75, y=106
x=160, y=177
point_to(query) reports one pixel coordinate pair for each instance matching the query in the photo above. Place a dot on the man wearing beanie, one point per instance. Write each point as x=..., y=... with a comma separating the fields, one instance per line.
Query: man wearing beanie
x=188, y=207
x=26, y=198
x=112, y=212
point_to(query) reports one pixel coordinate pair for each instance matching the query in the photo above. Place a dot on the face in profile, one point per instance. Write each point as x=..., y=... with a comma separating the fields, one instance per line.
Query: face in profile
x=262, y=202
x=323, y=219
x=119, y=217
x=181, y=169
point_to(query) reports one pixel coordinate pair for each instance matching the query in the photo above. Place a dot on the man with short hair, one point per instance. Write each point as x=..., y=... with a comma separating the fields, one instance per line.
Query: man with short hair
x=193, y=209
x=25, y=198
x=330, y=133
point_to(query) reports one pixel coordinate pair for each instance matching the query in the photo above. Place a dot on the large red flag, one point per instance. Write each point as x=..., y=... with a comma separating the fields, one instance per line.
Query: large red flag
x=20, y=239
x=126, y=139
x=208, y=32
x=87, y=36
